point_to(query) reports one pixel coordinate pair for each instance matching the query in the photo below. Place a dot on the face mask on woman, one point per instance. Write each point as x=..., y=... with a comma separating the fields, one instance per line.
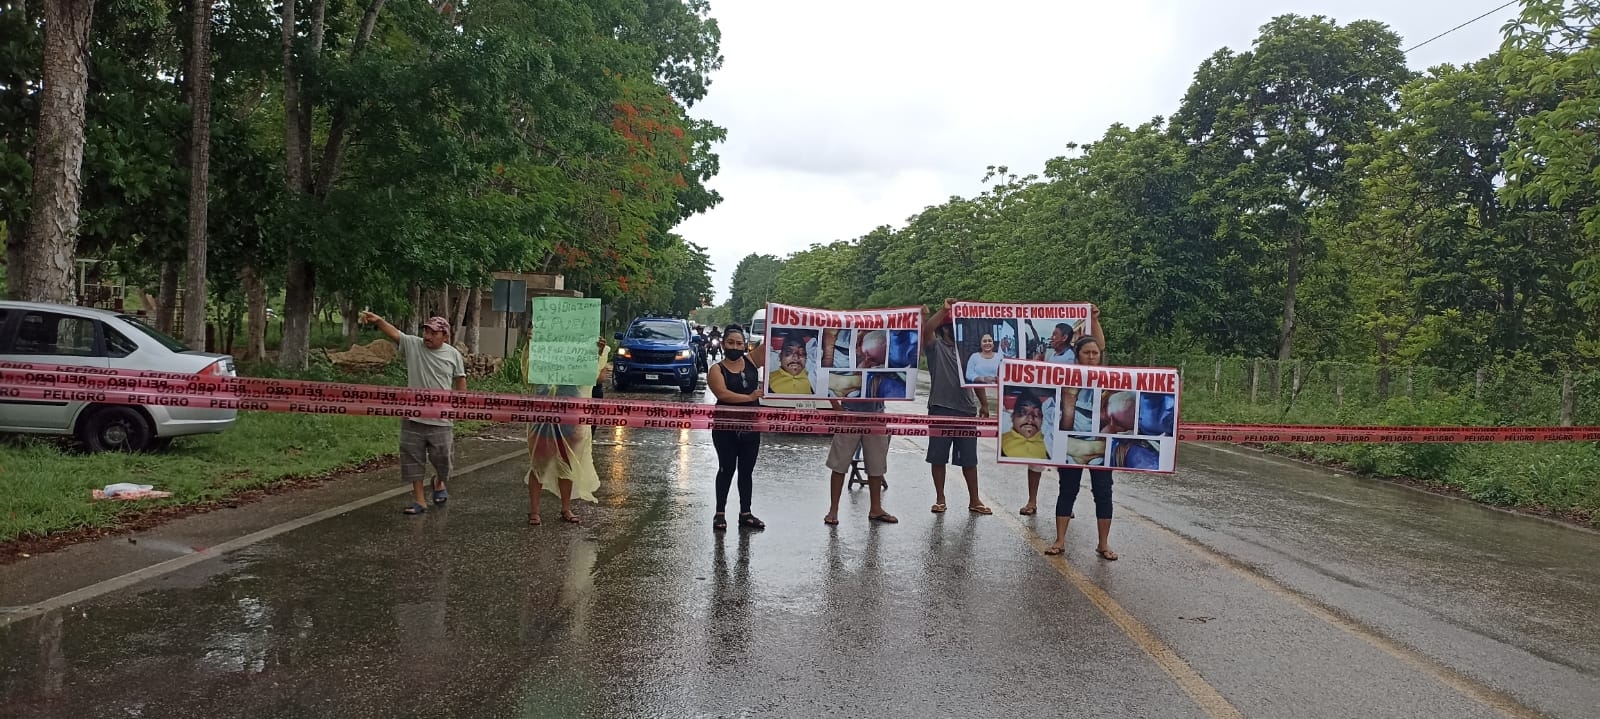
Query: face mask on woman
x=734, y=354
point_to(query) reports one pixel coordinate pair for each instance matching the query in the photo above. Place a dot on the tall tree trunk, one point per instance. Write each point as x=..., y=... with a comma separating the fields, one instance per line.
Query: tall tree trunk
x=255, y=298
x=458, y=317
x=58, y=153
x=474, y=319
x=167, y=297
x=444, y=302
x=199, y=82
x=298, y=304
x=417, y=309
x=350, y=315
x=300, y=289
x=1291, y=284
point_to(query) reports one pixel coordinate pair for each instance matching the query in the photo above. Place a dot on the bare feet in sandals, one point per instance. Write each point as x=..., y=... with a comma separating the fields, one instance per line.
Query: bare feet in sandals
x=979, y=509
x=1054, y=550
x=533, y=520
x=568, y=516
x=1029, y=509
x=1106, y=554
x=830, y=518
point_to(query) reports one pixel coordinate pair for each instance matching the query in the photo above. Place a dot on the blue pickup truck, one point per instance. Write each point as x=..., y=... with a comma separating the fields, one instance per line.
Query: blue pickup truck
x=656, y=351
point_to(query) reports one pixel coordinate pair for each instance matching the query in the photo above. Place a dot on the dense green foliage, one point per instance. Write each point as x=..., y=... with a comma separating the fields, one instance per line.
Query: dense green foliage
x=1309, y=198
x=1416, y=249
x=394, y=144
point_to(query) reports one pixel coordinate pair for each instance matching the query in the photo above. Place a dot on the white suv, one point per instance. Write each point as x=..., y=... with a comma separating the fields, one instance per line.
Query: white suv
x=87, y=337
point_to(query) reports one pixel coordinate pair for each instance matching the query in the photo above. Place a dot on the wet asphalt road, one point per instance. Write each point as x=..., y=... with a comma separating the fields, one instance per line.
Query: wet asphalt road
x=1248, y=586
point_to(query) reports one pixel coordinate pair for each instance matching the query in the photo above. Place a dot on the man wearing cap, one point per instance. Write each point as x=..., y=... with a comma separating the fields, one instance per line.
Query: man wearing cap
x=431, y=363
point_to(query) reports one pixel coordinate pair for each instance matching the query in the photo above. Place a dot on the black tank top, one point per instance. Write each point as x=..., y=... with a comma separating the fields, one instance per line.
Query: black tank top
x=743, y=382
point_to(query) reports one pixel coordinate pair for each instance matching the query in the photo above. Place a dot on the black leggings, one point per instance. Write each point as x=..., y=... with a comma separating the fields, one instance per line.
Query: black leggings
x=1099, y=485
x=735, y=450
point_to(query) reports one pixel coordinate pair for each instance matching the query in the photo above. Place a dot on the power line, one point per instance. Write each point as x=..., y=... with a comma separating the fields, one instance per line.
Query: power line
x=1458, y=27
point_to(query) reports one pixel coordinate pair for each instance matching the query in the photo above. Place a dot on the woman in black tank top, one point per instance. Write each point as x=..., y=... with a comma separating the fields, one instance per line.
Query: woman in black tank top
x=736, y=382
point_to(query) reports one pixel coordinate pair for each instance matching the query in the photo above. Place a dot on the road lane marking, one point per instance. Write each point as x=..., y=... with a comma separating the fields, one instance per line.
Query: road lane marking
x=1199, y=690
x=78, y=596
x=1195, y=686
x=1471, y=688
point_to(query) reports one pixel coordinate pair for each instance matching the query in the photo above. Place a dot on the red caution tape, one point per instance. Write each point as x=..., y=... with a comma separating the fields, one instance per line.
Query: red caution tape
x=1388, y=435
x=79, y=384
x=41, y=382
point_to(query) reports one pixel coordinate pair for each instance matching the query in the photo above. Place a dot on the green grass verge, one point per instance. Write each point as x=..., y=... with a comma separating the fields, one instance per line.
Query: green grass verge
x=1562, y=478
x=46, y=487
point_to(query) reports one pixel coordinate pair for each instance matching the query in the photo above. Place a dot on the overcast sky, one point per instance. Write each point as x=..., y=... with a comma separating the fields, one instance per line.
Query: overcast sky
x=843, y=116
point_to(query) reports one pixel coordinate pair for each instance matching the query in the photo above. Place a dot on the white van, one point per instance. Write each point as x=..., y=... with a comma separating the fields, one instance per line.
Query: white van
x=756, y=331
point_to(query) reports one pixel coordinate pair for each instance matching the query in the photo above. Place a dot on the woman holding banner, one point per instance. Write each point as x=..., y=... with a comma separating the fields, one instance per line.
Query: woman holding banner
x=1088, y=350
x=736, y=382
x=560, y=456
x=1032, y=507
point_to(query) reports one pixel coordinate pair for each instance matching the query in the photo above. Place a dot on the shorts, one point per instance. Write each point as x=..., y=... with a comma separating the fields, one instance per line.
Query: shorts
x=874, y=453
x=959, y=451
x=424, y=444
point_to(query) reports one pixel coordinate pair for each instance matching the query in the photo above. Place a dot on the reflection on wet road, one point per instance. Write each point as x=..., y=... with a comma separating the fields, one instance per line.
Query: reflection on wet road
x=1248, y=587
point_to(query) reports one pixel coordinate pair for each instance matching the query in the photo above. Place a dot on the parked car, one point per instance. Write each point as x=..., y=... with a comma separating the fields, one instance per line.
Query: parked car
x=655, y=351
x=87, y=337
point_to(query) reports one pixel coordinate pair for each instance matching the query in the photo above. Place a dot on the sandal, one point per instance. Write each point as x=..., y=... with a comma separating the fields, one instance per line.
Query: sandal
x=569, y=516
x=1106, y=554
x=939, y=508
x=414, y=509
x=886, y=518
x=979, y=509
x=440, y=496
x=1054, y=551
x=1028, y=510
x=719, y=522
x=533, y=520
x=830, y=518
x=747, y=519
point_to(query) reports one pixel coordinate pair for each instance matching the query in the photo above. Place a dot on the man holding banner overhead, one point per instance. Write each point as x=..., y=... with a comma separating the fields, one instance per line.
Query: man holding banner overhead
x=947, y=398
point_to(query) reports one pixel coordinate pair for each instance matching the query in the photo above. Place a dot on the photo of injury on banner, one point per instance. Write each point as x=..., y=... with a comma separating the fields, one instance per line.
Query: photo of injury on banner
x=1124, y=418
x=988, y=333
x=860, y=355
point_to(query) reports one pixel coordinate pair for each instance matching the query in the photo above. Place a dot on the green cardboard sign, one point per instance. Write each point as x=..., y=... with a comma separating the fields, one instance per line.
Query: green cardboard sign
x=561, y=347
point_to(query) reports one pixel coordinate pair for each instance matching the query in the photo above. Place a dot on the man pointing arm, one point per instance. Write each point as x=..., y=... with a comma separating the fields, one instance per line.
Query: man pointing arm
x=431, y=363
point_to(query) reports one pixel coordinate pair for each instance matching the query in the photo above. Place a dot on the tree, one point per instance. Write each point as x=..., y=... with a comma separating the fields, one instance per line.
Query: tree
x=755, y=282
x=199, y=86
x=1271, y=129
x=1116, y=226
x=1455, y=273
x=47, y=257
x=1555, y=51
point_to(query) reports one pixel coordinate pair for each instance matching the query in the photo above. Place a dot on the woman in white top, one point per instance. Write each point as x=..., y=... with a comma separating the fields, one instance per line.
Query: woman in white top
x=983, y=367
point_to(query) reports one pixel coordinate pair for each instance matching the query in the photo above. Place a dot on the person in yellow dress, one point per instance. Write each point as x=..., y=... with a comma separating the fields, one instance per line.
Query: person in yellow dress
x=1025, y=440
x=792, y=376
x=561, y=456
